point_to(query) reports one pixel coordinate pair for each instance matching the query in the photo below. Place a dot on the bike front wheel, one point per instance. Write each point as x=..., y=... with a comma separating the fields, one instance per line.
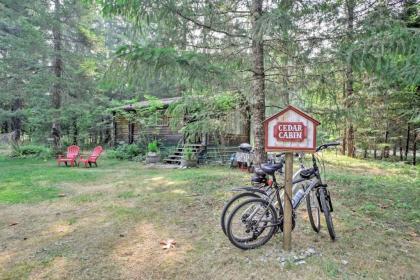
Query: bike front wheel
x=312, y=206
x=325, y=204
x=252, y=224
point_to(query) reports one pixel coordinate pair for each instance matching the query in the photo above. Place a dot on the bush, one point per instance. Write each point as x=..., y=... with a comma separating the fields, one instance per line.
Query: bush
x=125, y=152
x=153, y=147
x=31, y=151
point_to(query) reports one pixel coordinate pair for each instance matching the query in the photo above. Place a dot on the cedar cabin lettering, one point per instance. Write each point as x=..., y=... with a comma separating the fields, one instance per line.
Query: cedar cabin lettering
x=290, y=131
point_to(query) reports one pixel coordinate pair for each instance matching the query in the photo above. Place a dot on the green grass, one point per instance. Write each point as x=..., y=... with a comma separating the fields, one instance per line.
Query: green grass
x=33, y=180
x=385, y=191
x=109, y=222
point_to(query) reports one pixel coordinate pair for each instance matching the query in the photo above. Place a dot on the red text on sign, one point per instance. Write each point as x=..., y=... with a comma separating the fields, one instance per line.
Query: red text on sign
x=290, y=131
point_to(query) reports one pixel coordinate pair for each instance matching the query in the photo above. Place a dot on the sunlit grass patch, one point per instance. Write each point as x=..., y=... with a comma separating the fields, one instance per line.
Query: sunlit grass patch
x=18, y=193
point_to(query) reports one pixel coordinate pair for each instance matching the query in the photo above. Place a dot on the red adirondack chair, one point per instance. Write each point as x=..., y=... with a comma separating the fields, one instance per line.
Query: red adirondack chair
x=72, y=154
x=92, y=158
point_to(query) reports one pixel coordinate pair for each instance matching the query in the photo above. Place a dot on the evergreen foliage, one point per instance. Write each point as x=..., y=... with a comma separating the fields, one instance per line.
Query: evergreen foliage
x=73, y=63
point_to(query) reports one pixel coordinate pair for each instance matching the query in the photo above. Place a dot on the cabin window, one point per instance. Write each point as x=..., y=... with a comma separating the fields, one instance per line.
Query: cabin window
x=161, y=120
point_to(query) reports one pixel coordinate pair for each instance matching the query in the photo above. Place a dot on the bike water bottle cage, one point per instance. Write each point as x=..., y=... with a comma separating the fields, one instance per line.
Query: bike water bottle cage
x=271, y=168
x=307, y=173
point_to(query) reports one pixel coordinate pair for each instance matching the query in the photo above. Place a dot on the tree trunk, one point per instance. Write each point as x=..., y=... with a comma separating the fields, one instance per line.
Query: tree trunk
x=349, y=81
x=415, y=147
x=407, y=143
x=344, y=147
x=385, y=151
x=285, y=84
x=16, y=119
x=58, y=71
x=365, y=153
x=350, y=141
x=75, y=131
x=374, y=153
x=394, y=150
x=258, y=83
x=108, y=125
x=401, y=149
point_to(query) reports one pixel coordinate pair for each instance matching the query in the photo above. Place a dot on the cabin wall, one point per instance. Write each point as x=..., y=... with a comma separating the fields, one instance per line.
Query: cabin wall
x=236, y=131
x=162, y=132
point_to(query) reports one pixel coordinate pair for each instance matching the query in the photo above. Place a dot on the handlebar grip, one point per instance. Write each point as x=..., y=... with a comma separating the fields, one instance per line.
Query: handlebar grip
x=333, y=144
x=324, y=146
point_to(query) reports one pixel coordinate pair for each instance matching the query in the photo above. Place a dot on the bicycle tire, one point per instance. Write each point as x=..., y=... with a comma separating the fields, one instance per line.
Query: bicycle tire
x=223, y=218
x=315, y=221
x=326, y=209
x=238, y=242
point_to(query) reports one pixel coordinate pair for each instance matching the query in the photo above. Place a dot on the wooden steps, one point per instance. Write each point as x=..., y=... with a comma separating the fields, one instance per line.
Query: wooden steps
x=212, y=154
x=176, y=157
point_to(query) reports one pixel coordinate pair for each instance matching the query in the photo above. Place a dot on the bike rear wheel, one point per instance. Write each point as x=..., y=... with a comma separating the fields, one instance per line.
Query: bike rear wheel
x=325, y=204
x=252, y=224
x=232, y=203
x=312, y=206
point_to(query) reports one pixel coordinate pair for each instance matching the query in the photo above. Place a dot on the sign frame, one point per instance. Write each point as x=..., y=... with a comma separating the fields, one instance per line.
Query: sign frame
x=291, y=149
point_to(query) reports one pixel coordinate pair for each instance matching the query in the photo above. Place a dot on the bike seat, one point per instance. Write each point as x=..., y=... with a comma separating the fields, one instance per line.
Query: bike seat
x=306, y=173
x=270, y=168
x=259, y=172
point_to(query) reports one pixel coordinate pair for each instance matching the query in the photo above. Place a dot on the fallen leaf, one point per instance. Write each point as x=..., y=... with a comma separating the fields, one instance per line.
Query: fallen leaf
x=168, y=244
x=13, y=223
x=412, y=234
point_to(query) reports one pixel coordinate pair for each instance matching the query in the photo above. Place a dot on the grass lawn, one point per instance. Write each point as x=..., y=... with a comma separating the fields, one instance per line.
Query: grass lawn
x=106, y=223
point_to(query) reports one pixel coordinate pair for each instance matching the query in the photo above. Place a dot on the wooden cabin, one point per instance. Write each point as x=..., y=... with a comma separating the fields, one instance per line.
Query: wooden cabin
x=237, y=128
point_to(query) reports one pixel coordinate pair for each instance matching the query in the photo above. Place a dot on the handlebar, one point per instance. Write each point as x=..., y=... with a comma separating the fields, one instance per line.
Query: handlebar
x=325, y=146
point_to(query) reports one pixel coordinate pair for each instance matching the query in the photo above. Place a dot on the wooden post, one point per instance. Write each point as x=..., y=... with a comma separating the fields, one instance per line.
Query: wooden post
x=289, y=130
x=287, y=224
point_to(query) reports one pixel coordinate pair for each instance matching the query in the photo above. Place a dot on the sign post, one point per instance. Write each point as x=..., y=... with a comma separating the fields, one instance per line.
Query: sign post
x=290, y=130
x=287, y=219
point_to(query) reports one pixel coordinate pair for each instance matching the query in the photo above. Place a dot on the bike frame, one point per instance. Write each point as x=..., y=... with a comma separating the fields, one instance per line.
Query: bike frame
x=315, y=184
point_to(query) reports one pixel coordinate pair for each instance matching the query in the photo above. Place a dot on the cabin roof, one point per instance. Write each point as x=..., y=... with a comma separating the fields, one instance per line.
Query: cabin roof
x=165, y=102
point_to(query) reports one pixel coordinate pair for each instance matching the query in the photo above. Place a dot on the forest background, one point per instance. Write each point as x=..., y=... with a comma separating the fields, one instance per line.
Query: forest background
x=354, y=65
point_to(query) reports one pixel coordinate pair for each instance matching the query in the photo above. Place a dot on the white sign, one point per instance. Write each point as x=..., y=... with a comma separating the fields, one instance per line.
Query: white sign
x=290, y=130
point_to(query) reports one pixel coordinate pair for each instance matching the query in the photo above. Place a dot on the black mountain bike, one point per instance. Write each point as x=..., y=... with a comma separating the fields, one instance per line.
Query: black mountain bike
x=253, y=222
x=262, y=187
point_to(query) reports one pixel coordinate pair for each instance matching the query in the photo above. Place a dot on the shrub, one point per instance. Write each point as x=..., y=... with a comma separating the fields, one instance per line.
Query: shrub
x=189, y=154
x=125, y=152
x=153, y=147
x=31, y=151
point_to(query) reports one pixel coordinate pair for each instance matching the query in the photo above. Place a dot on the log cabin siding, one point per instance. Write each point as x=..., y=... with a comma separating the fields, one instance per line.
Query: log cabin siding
x=235, y=131
x=162, y=132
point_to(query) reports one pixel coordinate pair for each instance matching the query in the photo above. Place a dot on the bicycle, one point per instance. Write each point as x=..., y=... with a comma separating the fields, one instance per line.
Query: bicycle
x=257, y=216
x=263, y=188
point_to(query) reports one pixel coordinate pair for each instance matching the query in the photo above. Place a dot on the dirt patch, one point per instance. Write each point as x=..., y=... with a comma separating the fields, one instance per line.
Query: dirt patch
x=140, y=255
x=58, y=268
x=6, y=257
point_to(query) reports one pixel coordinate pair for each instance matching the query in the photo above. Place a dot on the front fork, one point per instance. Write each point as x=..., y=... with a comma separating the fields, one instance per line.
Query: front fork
x=327, y=196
